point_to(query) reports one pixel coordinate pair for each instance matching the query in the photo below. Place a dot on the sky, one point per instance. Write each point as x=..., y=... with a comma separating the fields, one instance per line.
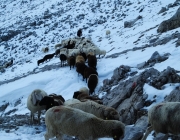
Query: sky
x=64, y=81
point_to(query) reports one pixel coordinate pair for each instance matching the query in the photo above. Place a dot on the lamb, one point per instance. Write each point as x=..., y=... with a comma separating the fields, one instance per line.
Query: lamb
x=62, y=120
x=33, y=103
x=164, y=118
x=52, y=100
x=92, y=61
x=48, y=56
x=92, y=83
x=99, y=110
x=88, y=71
x=108, y=33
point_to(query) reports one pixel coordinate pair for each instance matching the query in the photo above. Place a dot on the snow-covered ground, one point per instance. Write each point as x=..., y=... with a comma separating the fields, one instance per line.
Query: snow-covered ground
x=64, y=81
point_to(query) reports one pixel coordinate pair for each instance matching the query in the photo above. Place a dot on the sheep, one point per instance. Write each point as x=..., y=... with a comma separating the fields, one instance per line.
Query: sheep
x=33, y=103
x=102, y=52
x=52, y=100
x=62, y=120
x=45, y=50
x=63, y=59
x=80, y=58
x=40, y=61
x=99, y=110
x=83, y=96
x=80, y=68
x=73, y=52
x=71, y=61
x=108, y=32
x=92, y=83
x=71, y=101
x=164, y=118
x=88, y=71
x=48, y=56
x=92, y=61
x=79, y=33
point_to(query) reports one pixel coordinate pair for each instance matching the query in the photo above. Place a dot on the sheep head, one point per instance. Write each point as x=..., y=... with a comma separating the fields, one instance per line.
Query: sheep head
x=47, y=101
x=111, y=114
x=118, y=133
x=76, y=94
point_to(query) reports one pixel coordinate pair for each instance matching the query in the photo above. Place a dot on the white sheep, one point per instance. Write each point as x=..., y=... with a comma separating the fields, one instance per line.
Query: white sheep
x=108, y=32
x=33, y=103
x=99, y=110
x=164, y=118
x=62, y=120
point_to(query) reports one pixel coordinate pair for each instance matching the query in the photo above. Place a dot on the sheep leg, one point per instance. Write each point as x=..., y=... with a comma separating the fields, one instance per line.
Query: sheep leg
x=59, y=136
x=148, y=131
x=32, y=118
x=39, y=114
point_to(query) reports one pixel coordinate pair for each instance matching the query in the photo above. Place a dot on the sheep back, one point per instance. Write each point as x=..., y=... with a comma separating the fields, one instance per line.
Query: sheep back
x=100, y=111
x=92, y=82
x=61, y=120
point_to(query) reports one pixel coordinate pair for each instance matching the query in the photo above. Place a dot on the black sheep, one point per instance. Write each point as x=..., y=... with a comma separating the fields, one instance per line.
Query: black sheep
x=92, y=61
x=70, y=45
x=50, y=101
x=40, y=61
x=48, y=56
x=80, y=68
x=92, y=83
x=84, y=55
x=79, y=33
x=88, y=71
x=71, y=61
x=63, y=59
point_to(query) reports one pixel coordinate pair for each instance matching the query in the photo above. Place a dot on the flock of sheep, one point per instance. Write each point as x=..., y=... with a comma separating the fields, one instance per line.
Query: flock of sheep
x=82, y=116
x=85, y=116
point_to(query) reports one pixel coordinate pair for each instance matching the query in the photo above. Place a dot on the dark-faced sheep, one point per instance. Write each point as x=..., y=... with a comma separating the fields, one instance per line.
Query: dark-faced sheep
x=52, y=100
x=92, y=83
x=33, y=103
x=92, y=60
x=62, y=120
x=164, y=118
x=63, y=59
x=48, y=56
x=88, y=71
x=80, y=67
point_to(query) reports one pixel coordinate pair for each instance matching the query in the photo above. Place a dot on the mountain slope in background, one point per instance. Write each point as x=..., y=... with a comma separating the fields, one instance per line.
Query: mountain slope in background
x=28, y=25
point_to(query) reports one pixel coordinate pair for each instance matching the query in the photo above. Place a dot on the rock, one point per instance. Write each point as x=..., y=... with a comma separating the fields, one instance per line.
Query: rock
x=172, y=23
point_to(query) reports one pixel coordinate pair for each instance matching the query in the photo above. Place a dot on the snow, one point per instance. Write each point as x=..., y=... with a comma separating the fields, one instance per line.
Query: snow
x=64, y=81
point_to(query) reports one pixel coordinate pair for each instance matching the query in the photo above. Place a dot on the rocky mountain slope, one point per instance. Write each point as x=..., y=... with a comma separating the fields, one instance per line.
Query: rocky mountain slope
x=136, y=26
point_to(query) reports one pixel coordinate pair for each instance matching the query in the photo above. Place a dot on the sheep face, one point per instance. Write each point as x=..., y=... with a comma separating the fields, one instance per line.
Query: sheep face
x=111, y=114
x=76, y=94
x=117, y=133
x=48, y=101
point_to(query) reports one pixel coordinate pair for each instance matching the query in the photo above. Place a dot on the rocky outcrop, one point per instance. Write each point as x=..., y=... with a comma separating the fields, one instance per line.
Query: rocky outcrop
x=172, y=23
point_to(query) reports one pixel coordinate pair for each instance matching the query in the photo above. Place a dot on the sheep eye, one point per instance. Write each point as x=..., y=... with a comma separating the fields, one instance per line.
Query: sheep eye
x=115, y=136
